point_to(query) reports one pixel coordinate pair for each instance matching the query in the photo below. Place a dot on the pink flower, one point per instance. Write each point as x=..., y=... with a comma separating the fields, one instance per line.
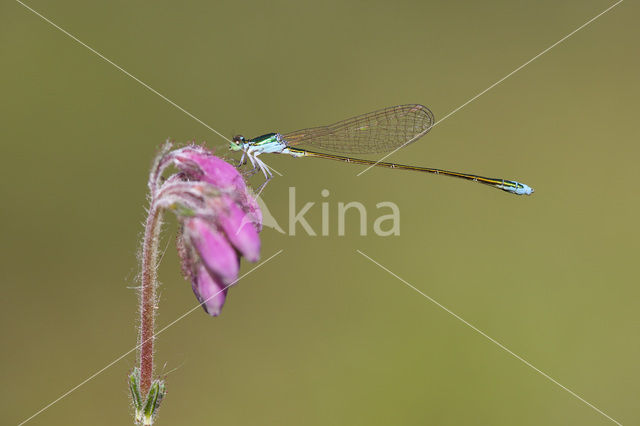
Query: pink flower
x=213, y=248
x=240, y=232
x=210, y=292
x=220, y=221
x=199, y=164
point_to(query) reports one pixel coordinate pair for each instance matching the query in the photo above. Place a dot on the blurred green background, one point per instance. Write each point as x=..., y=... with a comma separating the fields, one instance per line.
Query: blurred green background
x=320, y=335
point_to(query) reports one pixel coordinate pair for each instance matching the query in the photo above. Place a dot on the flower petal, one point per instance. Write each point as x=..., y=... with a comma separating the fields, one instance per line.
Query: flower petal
x=252, y=209
x=214, y=249
x=239, y=229
x=201, y=165
x=210, y=293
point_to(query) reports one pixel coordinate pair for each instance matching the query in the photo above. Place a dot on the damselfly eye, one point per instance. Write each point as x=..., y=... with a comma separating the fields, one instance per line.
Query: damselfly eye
x=239, y=139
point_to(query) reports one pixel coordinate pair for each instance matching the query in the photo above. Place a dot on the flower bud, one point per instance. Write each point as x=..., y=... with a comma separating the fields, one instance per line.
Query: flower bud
x=220, y=221
x=239, y=229
x=210, y=292
x=215, y=251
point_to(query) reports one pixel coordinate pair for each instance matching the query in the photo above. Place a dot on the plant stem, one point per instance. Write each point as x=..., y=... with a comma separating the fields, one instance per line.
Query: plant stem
x=148, y=296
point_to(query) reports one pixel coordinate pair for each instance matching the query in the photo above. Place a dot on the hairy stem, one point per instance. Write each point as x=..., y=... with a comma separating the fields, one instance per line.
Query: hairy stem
x=148, y=296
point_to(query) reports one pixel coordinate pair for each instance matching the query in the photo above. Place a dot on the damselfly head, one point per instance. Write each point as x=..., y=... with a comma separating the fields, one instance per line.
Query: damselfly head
x=236, y=143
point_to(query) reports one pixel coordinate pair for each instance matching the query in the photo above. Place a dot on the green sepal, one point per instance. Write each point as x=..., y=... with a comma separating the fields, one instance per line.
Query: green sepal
x=161, y=392
x=134, y=386
x=154, y=398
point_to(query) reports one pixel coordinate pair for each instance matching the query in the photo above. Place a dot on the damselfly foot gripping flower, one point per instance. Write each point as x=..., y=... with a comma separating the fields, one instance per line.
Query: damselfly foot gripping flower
x=219, y=223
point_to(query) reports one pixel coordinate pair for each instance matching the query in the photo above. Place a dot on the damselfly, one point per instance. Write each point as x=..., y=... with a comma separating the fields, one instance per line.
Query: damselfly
x=379, y=131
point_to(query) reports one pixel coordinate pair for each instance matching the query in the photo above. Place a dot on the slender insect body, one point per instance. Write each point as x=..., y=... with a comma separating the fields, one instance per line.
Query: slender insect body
x=380, y=131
